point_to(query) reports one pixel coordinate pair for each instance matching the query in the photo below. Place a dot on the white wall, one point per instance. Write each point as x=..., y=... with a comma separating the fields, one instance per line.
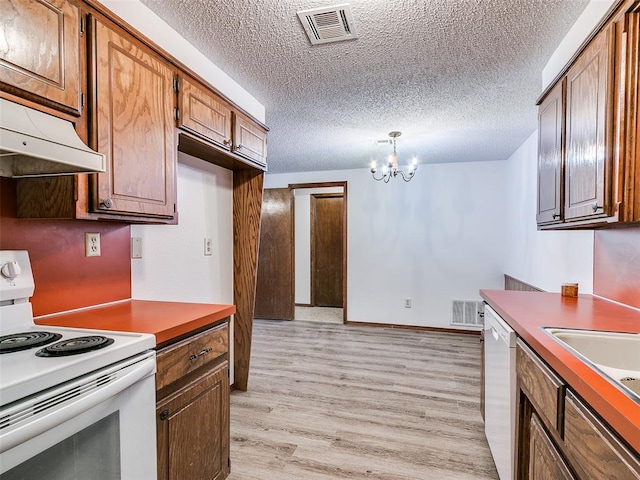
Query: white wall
x=140, y=17
x=302, y=247
x=545, y=259
x=173, y=266
x=435, y=239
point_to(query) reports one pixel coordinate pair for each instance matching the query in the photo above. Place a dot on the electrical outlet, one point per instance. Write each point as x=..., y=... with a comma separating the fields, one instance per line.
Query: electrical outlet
x=91, y=244
x=136, y=247
x=208, y=247
x=407, y=303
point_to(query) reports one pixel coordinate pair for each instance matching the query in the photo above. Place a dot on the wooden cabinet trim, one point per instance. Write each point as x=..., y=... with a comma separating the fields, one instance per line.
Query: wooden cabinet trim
x=542, y=386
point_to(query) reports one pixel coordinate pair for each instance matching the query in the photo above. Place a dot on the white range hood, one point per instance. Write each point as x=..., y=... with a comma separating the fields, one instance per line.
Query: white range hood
x=34, y=144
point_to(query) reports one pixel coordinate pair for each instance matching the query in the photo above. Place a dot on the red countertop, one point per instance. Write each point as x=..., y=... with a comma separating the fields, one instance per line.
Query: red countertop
x=166, y=320
x=529, y=312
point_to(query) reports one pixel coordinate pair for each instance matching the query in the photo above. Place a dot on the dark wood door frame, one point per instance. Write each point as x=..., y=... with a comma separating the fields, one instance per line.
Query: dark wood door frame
x=294, y=186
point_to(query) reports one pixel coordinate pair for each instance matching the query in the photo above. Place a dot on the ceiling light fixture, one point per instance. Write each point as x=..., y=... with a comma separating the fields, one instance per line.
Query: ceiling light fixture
x=391, y=169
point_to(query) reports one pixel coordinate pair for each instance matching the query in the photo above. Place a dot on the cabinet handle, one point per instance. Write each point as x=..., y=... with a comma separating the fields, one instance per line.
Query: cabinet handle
x=227, y=142
x=107, y=203
x=596, y=207
x=164, y=414
x=555, y=215
x=204, y=351
x=240, y=146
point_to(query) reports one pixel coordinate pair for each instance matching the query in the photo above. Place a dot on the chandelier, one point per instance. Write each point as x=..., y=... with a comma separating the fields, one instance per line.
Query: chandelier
x=391, y=170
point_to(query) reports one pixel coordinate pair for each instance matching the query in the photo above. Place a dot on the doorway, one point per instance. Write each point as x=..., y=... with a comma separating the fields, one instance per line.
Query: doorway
x=326, y=249
x=302, y=264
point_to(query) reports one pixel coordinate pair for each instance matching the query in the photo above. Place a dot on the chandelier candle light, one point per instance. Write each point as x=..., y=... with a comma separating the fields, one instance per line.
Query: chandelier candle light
x=391, y=168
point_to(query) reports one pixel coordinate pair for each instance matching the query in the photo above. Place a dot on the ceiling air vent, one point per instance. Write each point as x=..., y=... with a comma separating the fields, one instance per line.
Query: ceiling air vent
x=328, y=24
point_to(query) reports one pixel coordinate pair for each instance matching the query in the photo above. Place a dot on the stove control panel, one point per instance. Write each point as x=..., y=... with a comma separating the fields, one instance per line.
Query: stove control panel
x=10, y=270
x=16, y=279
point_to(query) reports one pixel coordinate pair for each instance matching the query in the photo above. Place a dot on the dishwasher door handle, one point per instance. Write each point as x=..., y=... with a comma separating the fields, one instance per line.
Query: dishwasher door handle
x=495, y=333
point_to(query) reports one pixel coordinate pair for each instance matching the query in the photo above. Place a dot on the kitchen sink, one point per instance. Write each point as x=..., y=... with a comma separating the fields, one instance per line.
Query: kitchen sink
x=615, y=355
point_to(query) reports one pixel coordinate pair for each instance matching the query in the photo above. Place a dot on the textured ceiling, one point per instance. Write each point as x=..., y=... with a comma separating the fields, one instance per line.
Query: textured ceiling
x=458, y=78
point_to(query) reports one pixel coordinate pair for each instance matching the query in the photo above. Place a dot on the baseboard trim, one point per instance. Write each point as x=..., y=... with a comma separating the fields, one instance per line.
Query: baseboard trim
x=416, y=327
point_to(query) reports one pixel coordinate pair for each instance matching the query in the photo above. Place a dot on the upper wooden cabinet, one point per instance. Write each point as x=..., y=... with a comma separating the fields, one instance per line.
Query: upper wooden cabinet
x=589, y=145
x=134, y=126
x=588, y=141
x=129, y=111
x=249, y=139
x=203, y=113
x=550, y=156
x=40, y=52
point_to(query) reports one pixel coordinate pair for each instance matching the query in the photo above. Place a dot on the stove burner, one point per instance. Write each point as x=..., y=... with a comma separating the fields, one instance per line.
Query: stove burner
x=25, y=341
x=75, y=346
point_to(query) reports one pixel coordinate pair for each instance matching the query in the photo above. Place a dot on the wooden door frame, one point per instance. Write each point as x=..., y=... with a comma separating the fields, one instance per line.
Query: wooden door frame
x=294, y=186
x=312, y=212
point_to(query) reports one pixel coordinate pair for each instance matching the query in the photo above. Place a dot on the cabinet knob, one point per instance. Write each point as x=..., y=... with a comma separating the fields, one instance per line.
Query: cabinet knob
x=164, y=414
x=107, y=203
x=596, y=207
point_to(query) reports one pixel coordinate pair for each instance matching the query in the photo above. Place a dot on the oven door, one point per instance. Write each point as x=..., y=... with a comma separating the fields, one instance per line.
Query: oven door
x=100, y=426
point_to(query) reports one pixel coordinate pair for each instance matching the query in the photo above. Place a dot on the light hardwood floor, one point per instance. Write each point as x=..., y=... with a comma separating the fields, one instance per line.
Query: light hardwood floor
x=355, y=402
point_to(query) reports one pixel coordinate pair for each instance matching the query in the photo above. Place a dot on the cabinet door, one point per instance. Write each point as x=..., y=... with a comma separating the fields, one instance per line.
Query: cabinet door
x=204, y=113
x=550, y=155
x=39, y=52
x=249, y=140
x=589, y=124
x=593, y=450
x=193, y=430
x=545, y=461
x=134, y=125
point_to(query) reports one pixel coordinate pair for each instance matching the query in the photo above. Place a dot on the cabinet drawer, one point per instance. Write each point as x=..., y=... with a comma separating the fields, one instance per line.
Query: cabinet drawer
x=593, y=449
x=184, y=357
x=543, y=387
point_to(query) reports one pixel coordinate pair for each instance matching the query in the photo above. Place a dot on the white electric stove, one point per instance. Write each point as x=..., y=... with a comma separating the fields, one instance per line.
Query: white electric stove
x=70, y=390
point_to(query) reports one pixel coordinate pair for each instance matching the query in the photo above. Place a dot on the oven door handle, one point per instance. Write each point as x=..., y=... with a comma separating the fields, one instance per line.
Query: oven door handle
x=59, y=414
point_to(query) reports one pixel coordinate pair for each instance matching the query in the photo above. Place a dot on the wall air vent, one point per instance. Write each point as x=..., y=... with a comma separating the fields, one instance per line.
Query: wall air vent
x=468, y=313
x=328, y=24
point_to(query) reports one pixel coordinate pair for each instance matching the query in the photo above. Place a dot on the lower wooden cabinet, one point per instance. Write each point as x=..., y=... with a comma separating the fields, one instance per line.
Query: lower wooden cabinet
x=193, y=425
x=545, y=462
x=192, y=409
x=579, y=446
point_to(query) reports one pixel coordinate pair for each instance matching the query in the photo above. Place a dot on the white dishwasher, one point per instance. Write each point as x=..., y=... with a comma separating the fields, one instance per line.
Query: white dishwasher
x=500, y=391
